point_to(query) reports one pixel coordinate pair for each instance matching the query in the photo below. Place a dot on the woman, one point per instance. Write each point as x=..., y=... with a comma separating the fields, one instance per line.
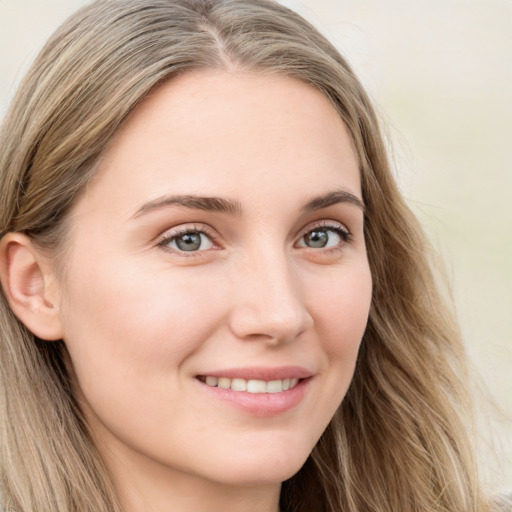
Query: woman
x=214, y=297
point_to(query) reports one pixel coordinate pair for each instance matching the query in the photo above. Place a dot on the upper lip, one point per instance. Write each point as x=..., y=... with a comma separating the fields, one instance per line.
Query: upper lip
x=261, y=373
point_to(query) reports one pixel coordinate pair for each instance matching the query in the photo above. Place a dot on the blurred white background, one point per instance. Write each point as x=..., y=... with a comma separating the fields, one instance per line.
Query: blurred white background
x=440, y=72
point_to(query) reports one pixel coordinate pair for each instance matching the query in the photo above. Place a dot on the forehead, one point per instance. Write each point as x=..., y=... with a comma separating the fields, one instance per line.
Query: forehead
x=219, y=133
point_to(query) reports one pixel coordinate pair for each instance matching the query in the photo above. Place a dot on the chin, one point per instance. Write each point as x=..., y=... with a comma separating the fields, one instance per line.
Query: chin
x=266, y=467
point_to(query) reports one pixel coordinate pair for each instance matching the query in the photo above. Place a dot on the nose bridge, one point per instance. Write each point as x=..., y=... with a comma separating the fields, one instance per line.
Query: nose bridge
x=269, y=301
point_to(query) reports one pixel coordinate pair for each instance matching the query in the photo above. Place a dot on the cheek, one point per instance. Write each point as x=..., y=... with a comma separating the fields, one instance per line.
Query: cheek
x=342, y=311
x=130, y=332
x=131, y=321
x=341, y=315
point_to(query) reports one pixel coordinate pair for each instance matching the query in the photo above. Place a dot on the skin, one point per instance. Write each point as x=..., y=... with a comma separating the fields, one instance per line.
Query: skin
x=142, y=319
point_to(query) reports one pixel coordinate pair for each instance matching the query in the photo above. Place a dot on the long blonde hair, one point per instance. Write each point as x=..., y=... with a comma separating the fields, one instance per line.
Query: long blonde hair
x=400, y=440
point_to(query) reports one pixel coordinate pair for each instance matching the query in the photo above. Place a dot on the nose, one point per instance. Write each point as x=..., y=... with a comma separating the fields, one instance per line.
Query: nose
x=269, y=300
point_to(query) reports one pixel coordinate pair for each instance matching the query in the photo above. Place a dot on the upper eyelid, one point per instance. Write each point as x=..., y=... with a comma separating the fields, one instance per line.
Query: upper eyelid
x=182, y=230
x=211, y=233
x=187, y=228
x=325, y=224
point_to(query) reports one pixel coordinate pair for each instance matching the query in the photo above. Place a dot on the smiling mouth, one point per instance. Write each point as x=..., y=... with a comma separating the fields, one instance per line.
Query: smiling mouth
x=251, y=385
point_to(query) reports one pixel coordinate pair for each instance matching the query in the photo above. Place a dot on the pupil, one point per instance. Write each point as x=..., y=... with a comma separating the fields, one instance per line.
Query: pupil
x=189, y=242
x=317, y=239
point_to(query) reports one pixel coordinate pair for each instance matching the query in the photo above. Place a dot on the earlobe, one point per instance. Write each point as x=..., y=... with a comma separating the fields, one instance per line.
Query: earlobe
x=29, y=286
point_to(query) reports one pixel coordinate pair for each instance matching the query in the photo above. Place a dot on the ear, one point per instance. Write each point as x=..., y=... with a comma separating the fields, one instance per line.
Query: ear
x=30, y=286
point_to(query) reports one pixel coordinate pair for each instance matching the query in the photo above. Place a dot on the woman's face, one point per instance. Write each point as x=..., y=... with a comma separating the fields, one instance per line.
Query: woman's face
x=218, y=248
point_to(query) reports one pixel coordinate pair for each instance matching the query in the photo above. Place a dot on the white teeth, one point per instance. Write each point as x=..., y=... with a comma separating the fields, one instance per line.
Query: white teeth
x=256, y=386
x=275, y=386
x=252, y=385
x=212, y=381
x=224, y=383
x=239, y=385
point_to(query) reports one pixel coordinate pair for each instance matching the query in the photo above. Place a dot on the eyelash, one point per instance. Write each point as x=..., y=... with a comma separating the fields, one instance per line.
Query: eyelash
x=340, y=230
x=168, y=238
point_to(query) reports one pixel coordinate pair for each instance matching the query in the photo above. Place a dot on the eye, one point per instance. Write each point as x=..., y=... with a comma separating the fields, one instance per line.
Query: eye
x=189, y=240
x=324, y=237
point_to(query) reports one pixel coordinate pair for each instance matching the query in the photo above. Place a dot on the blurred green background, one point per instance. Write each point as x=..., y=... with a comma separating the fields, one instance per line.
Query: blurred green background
x=440, y=72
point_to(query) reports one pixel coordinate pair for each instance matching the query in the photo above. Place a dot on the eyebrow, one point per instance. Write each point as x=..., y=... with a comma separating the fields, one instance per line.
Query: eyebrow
x=233, y=207
x=209, y=204
x=332, y=198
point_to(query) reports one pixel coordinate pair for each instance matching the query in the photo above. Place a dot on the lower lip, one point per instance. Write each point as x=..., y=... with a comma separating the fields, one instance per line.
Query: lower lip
x=260, y=404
